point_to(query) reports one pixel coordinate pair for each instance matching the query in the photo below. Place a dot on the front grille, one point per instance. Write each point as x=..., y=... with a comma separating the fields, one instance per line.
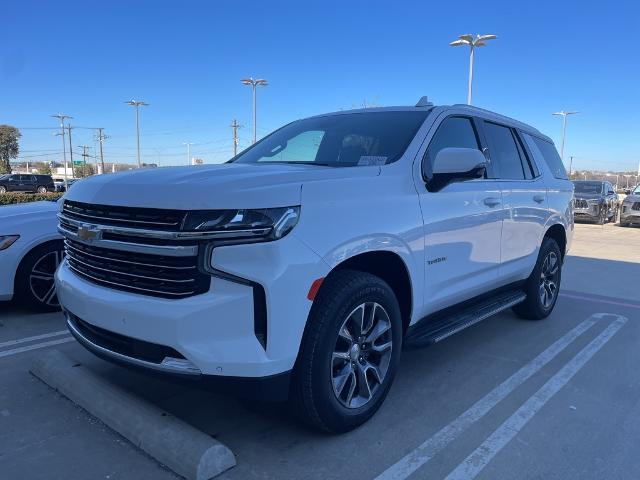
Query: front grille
x=635, y=206
x=147, y=274
x=579, y=203
x=131, y=217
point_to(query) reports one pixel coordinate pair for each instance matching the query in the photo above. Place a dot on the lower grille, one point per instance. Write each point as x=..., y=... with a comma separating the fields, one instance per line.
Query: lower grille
x=155, y=275
x=581, y=203
x=114, y=342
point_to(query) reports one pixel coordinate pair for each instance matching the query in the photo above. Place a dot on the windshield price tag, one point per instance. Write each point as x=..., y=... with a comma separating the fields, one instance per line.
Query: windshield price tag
x=371, y=160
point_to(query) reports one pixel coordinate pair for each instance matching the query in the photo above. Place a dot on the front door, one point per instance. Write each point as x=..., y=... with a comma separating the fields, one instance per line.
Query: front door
x=462, y=224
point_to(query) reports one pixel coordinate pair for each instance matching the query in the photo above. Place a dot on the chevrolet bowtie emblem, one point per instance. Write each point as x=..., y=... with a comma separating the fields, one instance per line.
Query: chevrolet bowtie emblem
x=88, y=233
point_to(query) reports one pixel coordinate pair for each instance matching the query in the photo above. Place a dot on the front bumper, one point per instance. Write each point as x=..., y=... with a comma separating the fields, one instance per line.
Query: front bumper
x=629, y=215
x=213, y=333
x=591, y=213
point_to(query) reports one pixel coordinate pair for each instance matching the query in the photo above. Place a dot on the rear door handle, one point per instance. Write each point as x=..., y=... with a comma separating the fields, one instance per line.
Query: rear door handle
x=538, y=198
x=491, y=201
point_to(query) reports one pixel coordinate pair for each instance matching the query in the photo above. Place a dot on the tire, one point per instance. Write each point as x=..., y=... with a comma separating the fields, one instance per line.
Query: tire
x=535, y=307
x=334, y=387
x=602, y=217
x=34, y=284
x=3, y=189
x=41, y=189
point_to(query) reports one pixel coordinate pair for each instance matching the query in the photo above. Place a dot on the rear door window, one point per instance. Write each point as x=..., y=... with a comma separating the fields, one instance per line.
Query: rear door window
x=504, y=152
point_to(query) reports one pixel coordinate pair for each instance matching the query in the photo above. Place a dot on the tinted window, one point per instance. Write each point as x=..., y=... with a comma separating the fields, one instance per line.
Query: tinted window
x=453, y=132
x=343, y=140
x=504, y=151
x=588, y=187
x=551, y=157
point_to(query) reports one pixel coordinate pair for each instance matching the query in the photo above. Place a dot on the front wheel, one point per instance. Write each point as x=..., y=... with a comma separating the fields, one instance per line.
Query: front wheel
x=543, y=284
x=349, y=353
x=35, y=285
x=3, y=189
x=42, y=190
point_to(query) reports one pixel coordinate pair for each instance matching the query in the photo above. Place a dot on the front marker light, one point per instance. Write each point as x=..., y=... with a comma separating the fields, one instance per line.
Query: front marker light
x=7, y=240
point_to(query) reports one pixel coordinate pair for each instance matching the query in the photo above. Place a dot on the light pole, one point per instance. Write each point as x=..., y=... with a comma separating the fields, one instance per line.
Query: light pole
x=188, y=144
x=614, y=175
x=61, y=117
x=137, y=104
x=564, y=129
x=478, y=41
x=627, y=177
x=254, y=83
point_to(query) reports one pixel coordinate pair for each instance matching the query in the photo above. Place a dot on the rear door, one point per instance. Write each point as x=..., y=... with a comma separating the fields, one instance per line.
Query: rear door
x=524, y=197
x=462, y=223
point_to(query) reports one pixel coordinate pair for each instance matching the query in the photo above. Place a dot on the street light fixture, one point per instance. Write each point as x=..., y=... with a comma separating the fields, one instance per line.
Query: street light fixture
x=478, y=41
x=61, y=117
x=564, y=128
x=188, y=144
x=254, y=83
x=137, y=104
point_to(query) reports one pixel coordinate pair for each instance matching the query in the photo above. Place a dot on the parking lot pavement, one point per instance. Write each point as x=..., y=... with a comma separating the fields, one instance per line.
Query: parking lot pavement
x=506, y=398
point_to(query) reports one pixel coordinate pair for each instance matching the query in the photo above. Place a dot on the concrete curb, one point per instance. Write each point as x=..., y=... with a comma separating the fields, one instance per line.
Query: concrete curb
x=184, y=449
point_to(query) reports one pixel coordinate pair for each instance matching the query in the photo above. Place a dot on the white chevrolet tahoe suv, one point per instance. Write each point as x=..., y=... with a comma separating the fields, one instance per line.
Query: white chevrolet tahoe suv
x=302, y=267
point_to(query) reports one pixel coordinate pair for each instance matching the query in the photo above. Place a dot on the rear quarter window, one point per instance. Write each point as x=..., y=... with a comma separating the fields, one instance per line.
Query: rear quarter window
x=549, y=154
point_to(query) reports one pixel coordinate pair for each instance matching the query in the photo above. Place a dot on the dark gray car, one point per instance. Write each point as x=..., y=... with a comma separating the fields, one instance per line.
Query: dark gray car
x=630, y=212
x=595, y=201
x=27, y=183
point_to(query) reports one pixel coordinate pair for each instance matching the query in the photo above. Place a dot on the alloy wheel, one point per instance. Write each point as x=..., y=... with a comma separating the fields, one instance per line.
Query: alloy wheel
x=41, y=277
x=361, y=355
x=549, y=279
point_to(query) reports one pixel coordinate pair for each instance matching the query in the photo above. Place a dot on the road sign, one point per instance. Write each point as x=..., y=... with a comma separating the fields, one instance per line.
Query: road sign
x=78, y=163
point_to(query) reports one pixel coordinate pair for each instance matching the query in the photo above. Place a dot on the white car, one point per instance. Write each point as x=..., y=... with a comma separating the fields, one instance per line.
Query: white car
x=30, y=251
x=302, y=267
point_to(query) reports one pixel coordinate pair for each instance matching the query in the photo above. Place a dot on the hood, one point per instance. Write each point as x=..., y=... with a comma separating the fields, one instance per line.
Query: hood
x=28, y=209
x=635, y=197
x=229, y=185
x=28, y=219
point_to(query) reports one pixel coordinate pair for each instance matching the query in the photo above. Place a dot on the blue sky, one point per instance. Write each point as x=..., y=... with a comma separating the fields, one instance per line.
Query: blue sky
x=85, y=58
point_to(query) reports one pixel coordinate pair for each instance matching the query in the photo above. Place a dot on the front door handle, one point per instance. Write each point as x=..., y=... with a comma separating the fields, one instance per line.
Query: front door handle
x=538, y=198
x=491, y=201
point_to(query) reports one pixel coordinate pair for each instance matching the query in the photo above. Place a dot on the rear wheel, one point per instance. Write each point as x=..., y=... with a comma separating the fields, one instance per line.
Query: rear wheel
x=42, y=189
x=349, y=354
x=543, y=284
x=3, y=189
x=35, y=285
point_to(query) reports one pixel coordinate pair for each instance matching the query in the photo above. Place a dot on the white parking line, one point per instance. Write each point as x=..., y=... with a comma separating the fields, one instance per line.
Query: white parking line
x=34, y=338
x=35, y=346
x=479, y=459
x=425, y=452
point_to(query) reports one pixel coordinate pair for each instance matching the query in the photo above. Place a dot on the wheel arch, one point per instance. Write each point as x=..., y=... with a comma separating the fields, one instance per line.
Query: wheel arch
x=558, y=233
x=390, y=267
x=25, y=255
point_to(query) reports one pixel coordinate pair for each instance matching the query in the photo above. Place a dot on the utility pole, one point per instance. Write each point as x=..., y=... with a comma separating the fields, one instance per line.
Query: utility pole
x=235, y=126
x=61, y=117
x=101, y=138
x=188, y=144
x=84, y=159
x=69, y=127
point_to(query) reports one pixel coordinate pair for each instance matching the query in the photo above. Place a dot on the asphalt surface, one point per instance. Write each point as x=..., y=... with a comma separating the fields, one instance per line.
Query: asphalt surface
x=504, y=399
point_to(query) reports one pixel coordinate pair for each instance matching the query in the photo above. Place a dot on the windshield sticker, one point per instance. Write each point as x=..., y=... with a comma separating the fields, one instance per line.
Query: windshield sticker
x=371, y=160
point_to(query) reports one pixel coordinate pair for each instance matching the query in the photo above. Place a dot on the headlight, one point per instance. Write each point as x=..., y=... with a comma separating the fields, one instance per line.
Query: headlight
x=264, y=224
x=7, y=240
x=593, y=201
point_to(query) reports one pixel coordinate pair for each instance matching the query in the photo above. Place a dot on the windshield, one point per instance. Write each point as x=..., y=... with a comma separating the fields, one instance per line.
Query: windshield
x=588, y=187
x=341, y=140
x=637, y=190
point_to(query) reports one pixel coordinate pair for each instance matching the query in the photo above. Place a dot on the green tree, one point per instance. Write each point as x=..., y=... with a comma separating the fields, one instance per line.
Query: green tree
x=84, y=170
x=9, y=147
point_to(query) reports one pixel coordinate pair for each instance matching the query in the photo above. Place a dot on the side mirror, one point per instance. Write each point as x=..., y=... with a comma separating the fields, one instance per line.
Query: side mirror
x=455, y=165
x=627, y=192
